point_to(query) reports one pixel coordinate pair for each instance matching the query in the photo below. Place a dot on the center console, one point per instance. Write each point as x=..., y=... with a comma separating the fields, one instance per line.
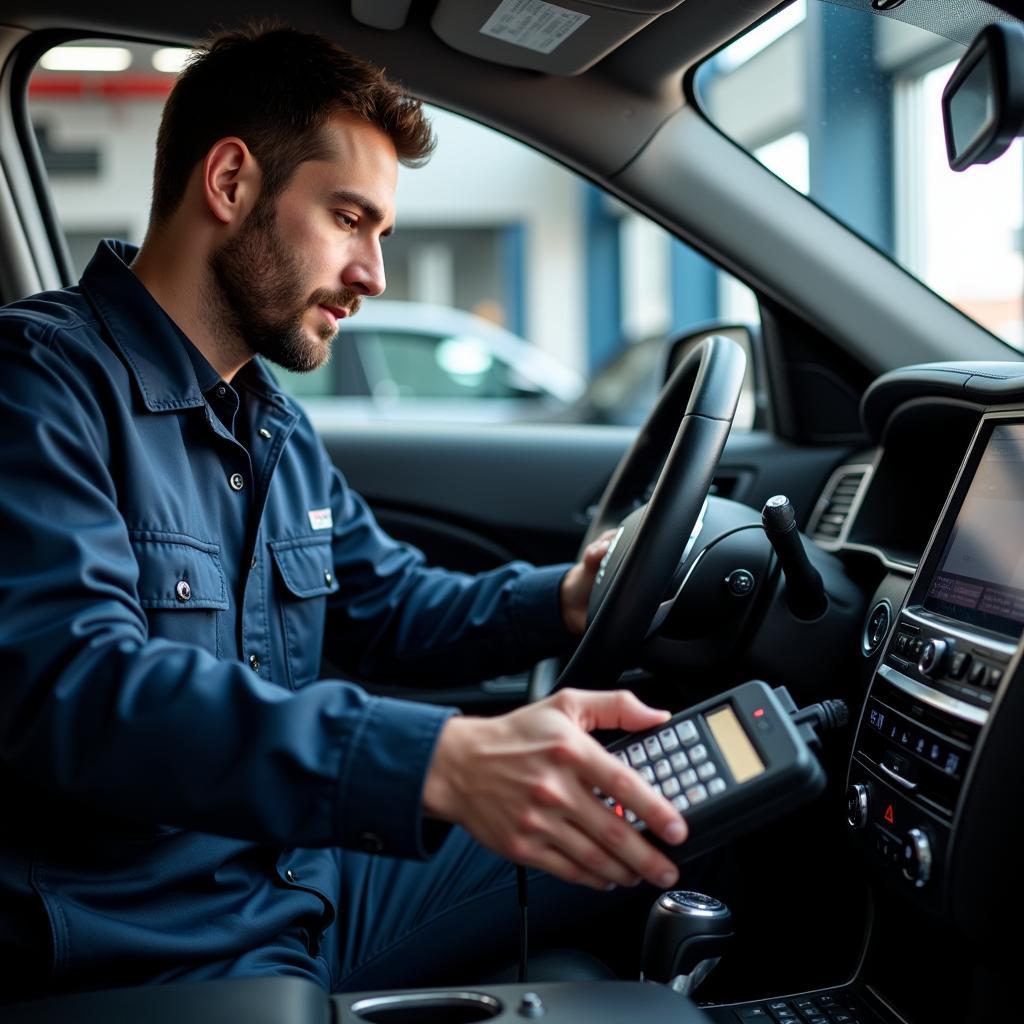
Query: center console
x=942, y=673
x=283, y=1000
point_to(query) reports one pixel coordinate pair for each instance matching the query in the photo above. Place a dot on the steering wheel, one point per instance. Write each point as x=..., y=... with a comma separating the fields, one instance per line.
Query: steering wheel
x=684, y=435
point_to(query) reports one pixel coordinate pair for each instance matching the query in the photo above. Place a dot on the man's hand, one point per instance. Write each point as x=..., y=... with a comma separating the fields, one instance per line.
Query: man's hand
x=578, y=582
x=522, y=784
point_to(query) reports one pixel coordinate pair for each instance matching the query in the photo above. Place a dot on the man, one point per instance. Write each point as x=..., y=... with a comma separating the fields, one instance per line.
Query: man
x=183, y=797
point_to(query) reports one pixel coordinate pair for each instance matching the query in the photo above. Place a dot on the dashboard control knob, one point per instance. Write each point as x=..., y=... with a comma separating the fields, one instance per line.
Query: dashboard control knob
x=917, y=858
x=934, y=658
x=741, y=582
x=877, y=628
x=857, y=806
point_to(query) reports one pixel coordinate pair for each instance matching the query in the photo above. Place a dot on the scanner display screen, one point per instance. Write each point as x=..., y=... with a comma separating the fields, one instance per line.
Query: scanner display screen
x=737, y=750
x=980, y=577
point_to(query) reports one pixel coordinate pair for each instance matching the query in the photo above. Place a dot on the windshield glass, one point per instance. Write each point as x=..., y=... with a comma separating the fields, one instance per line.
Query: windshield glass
x=845, y=107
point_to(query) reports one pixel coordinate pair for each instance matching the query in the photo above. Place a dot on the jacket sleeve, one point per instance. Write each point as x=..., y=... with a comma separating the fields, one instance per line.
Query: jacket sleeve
x=101, y=715
x=395, y=619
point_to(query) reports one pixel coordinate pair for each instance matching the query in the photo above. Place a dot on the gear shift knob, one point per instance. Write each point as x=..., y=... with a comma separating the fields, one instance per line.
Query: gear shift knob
x=685, y=937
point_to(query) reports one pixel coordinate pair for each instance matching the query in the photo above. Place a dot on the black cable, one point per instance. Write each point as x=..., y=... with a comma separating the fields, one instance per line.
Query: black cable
x=521, y=897
x=816, y=719
x=829, y=714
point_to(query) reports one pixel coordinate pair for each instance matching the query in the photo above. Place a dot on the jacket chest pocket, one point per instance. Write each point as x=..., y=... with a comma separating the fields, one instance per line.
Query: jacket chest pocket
x=305, y=576
x=182, y=588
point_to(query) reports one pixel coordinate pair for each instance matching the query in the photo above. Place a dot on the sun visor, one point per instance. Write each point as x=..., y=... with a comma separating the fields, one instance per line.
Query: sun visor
x=562, y=38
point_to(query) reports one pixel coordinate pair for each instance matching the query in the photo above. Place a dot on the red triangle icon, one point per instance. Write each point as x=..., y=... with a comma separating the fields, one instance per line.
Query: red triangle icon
x=889, y=816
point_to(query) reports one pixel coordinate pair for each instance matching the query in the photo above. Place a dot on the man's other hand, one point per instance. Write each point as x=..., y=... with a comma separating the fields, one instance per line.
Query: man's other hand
x=578, y=582
x=523, y=785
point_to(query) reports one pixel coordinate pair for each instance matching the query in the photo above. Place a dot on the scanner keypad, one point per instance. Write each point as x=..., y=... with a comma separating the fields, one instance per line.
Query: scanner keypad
x=678, y=763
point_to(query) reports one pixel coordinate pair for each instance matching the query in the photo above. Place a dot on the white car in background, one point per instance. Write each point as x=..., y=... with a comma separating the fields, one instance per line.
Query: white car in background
x=416, y=360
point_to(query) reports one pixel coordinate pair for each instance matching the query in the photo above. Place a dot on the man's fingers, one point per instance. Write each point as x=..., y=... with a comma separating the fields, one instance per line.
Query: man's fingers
x=558, y=864
x=610, y=709
x=593, y=554
x=621, y=842
x=585, y=846
x=596, y=549
x=612, y=777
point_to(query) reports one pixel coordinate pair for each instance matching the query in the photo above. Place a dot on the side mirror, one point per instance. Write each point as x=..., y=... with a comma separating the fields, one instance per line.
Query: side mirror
x=983, y=102
x=752, y=409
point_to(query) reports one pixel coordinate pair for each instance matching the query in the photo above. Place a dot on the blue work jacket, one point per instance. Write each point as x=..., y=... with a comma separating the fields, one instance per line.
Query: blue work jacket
x=177, y=555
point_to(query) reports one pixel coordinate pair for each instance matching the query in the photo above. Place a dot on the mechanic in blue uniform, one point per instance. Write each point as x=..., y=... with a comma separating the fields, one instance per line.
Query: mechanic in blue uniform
x=183, y=796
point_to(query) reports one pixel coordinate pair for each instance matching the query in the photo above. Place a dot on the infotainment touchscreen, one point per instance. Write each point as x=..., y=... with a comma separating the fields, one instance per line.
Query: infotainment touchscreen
x=980, y=577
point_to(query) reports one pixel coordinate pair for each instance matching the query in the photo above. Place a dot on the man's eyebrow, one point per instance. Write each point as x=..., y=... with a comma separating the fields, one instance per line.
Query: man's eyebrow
x=368, y=206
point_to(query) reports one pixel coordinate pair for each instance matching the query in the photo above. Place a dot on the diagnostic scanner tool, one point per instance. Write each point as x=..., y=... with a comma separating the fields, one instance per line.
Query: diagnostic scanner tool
x=729, y=764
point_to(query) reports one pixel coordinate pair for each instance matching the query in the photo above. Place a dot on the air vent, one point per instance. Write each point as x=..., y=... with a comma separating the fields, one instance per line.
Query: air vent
x=841, y=495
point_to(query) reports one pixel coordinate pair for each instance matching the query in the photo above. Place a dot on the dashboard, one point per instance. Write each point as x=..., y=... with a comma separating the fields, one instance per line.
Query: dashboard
x=934, y=781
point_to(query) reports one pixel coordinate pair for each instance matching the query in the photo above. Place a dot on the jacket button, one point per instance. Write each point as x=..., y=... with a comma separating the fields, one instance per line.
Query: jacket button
x=237, y=481
x=252, y=564
x=254, y=663
x=328, y=577
x=291, y=876
x=265, y=434
x=183, y=591
x=369, y=842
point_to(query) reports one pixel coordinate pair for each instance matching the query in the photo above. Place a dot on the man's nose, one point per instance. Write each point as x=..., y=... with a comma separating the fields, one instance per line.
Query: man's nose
x=365, y=274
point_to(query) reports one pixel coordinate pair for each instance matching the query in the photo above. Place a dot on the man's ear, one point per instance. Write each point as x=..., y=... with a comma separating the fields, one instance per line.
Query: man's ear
x=231, y=180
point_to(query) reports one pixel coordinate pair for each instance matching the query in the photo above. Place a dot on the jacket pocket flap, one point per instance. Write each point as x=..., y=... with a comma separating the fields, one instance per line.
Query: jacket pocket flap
x=305, y=565
x=178, y=571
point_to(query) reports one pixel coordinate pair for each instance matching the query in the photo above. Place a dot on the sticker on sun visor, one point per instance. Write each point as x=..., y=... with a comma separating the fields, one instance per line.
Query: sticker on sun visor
x=533, y=24
x=321, y=518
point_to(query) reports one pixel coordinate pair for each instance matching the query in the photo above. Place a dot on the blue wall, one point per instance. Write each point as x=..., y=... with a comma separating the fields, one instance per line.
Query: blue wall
x=694, y=282
x=849, y=124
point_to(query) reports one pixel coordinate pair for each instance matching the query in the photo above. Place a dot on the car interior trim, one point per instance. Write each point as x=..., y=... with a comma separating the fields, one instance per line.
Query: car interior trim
x=868, y=469
x=21, y=222
x=908, y=568
x=425, y=1000
x=961, y=634
x=957, y=708
x=898, y=779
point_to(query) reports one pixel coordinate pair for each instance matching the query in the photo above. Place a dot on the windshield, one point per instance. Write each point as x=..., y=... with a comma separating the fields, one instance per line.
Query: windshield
x=844, y=106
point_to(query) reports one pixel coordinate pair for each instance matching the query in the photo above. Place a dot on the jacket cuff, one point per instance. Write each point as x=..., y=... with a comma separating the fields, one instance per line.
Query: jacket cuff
x=536, y=610
x=380, y=791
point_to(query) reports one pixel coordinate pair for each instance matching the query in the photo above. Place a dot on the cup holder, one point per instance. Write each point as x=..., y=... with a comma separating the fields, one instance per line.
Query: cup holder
x=427, y=1008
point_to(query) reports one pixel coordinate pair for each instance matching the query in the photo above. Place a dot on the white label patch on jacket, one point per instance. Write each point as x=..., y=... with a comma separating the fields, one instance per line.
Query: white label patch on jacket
x=321, y=518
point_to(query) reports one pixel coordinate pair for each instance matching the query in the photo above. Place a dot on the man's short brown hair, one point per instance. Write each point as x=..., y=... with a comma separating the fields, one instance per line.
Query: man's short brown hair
x=275, y=88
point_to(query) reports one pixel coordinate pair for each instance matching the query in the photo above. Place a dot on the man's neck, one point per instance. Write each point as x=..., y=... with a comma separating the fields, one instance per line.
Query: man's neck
x=178, y=277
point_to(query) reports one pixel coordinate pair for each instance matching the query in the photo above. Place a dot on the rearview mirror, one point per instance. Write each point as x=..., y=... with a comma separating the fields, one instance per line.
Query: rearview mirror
x=983, y=102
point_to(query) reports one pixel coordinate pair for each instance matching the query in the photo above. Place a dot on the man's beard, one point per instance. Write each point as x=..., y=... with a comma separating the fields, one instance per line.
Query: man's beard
x=260, y=285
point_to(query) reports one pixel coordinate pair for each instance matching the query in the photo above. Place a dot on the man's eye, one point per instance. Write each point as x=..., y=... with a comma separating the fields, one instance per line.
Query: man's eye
x=345, y=219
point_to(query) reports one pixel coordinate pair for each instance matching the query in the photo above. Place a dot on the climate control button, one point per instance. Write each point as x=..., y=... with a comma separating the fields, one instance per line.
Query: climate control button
x=857, y=806
x=959, y=663
x=934, y=657
x=916, y=862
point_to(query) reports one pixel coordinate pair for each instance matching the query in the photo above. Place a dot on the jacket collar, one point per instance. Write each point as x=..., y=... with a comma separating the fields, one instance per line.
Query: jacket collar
x=159, y=354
